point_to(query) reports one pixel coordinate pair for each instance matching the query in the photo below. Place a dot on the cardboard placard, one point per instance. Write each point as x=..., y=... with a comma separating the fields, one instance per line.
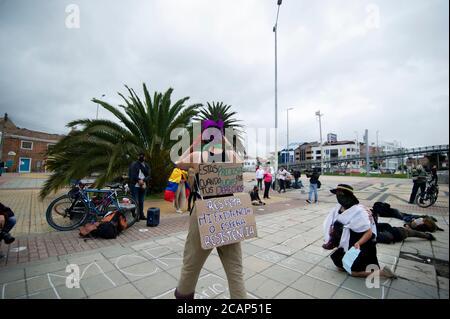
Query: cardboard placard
x=220, y=179
x=225, y=220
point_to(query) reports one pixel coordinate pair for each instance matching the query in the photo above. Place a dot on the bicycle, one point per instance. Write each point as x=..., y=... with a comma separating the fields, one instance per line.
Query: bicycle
x=429, y=196
x=78, y=206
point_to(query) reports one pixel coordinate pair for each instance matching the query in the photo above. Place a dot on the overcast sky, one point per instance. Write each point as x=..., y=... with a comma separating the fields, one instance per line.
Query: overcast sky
x=377, y=65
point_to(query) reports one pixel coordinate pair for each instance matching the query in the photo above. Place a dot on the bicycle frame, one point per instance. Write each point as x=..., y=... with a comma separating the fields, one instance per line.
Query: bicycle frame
x=93, y=208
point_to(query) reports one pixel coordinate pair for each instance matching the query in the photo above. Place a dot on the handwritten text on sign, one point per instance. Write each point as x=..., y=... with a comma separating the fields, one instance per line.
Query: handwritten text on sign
x=225, y=220
x=220, y=179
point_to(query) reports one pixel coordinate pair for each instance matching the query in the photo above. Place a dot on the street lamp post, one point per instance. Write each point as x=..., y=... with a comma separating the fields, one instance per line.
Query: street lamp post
x=357, y=147
x=287, y=137
x=96, y=117
x=276, y=87
x=321, y=144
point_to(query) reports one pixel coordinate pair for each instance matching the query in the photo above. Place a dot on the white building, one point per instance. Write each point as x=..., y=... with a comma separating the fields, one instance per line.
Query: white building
x=390, y=164
x=336, y=150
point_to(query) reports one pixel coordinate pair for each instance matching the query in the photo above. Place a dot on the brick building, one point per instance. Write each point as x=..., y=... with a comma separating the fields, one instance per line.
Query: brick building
x=23, y=150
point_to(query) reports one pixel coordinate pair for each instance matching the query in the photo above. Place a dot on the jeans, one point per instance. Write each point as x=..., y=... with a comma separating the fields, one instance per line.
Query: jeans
x=9, y=224
x=313, y=189
x=138, y=194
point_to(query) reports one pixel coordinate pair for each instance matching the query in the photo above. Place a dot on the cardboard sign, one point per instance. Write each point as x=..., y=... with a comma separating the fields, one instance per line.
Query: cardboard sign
x=220, y=179
x=225, y=220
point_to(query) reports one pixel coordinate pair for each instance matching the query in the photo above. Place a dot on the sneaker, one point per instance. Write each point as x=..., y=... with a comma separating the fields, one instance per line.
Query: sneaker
x=179, y=211
x=329, y=246
x=308, y=201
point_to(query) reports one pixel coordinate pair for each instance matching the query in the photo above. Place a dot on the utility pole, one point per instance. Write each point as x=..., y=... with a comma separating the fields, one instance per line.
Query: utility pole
x=366, y=140
x=275, y=29
x=358, y=153
x=287, y=138
x=321, y=144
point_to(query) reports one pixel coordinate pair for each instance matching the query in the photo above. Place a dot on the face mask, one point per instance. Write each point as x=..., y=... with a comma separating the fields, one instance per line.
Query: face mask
x=345, y=201
x=141, y=159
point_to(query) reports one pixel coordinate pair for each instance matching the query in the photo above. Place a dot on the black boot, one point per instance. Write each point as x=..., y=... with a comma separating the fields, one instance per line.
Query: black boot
x=180, y=296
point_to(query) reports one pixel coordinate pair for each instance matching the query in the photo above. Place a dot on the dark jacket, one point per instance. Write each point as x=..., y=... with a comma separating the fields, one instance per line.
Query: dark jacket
x=6, y=211
x=133, y=172
x=254, y=196
x=313, y=178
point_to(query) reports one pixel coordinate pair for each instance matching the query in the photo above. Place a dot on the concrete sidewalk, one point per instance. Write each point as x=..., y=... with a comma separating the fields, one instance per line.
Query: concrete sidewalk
x=285, y=261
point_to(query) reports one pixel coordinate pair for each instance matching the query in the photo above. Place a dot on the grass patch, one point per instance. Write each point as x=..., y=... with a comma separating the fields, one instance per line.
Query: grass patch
x=155, y=196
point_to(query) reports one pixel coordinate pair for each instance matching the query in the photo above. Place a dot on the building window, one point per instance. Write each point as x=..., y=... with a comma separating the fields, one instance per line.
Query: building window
x=317, y=152
x=25, y=145
x=50, y=146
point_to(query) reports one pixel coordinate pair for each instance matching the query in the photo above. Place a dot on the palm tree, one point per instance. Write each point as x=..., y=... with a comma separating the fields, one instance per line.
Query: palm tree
x=220, y=111
x=107, y=148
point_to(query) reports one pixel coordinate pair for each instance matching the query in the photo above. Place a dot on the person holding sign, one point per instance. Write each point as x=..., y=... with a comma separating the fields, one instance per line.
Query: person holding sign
x=351, y=225
x=219, y=220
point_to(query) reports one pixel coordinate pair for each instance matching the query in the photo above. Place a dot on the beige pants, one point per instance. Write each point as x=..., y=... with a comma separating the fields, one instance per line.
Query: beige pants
x=195, y=257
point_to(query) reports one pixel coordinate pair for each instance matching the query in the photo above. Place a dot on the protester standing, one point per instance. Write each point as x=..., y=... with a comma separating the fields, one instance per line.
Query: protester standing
x=267, y=183
x=259, y=176
x=283, y=175
x=419, y=182
x=139, y=175
x=313, y=185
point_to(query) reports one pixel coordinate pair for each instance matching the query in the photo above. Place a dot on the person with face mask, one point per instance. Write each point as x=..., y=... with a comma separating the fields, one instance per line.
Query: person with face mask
x=348, y=225
x=139, y=175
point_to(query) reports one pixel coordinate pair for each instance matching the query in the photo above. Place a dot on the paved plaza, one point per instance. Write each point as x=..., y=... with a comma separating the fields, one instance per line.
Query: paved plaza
x=286, y=260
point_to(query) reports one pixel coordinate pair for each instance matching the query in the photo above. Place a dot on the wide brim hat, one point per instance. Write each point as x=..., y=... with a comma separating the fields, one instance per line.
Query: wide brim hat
x=347, y=189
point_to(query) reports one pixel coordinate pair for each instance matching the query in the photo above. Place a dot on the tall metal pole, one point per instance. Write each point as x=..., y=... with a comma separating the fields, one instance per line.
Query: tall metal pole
x=287, y=138
x=366, y=140
x=358, y=153
x=321, y=144
x=275, y=28
x=96, y=117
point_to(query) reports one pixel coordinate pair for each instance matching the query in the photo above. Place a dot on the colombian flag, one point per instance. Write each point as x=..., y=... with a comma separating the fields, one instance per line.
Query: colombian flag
x=172, y=185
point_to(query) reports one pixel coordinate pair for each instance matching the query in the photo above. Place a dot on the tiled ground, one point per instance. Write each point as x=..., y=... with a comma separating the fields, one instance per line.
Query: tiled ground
x=285, y=261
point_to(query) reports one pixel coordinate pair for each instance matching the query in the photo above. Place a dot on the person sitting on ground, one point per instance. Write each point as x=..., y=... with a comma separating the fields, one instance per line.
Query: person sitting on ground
x=357, y=230
x=7, y=222
x=254, y=196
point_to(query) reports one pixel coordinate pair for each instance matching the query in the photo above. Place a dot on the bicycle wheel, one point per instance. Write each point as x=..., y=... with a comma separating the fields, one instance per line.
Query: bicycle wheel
x=66, y=214
x=425, y=200
x=129, y=206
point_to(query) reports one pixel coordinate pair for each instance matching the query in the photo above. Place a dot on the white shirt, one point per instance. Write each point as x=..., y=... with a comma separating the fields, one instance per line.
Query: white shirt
x=260, y=173
x=141, y=176
x=283, y=174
